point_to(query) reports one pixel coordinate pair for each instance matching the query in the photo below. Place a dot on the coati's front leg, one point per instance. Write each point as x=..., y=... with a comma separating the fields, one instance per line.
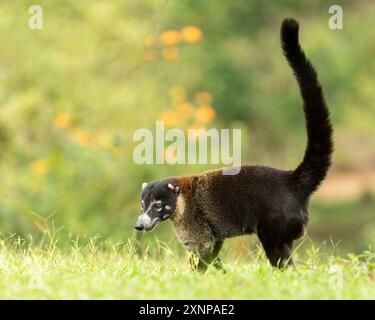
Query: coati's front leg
x=198, y=238
x=203, y=257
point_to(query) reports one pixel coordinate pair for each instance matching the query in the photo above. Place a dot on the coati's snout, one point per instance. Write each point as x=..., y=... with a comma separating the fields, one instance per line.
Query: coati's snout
x=158, y=203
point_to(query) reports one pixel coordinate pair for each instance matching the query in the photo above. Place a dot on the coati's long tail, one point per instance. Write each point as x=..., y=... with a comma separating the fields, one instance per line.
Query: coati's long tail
x=317, y=160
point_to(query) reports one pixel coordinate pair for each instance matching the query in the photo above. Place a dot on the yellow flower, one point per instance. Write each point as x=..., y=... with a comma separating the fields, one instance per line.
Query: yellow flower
x=177, y=94
x=203, y=98
x=170, y=37
x=170, y=118
x=191, y=34
x=40, y=167
x=82, y=137
x=185, y=109
x=170, y=53
x=62, y=120
x=205, y=114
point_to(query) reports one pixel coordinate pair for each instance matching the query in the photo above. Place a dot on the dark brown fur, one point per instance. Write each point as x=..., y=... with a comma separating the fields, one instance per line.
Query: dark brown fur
x=207, y=208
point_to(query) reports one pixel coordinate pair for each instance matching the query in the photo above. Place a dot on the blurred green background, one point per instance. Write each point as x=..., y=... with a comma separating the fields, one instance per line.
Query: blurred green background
x=73, y=93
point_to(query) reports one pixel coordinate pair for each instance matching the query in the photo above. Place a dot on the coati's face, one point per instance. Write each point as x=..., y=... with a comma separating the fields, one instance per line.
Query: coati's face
x=158, y=203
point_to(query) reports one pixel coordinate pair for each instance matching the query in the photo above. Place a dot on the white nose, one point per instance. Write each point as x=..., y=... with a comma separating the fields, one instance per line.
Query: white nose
x=144, y=221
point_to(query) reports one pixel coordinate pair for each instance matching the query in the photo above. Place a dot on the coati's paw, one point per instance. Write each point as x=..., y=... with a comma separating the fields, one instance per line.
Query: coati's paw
x=193, y=261
x=197, y=264
x=219, y=265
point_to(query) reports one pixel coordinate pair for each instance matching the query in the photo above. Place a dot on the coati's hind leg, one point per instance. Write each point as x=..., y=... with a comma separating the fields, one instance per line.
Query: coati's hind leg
x=279, y=253
x=207, y=256
x=278, y=249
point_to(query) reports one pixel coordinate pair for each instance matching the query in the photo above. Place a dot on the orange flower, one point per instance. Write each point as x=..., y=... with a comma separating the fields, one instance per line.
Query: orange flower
x=191, y=34
x=203, y=98
x=185, y=109
x=170, y=53
x=170, y=38
x=82, y=137
x=170, y=118
x=205, y=114
x=40, y=167
x=62, y=120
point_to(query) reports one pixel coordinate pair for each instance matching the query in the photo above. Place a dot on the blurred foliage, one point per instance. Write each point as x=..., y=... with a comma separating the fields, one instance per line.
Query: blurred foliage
x=72, y=94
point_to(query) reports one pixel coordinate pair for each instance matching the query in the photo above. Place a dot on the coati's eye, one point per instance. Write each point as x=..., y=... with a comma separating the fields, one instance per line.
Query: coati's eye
x=142, y=204
x=158, y=205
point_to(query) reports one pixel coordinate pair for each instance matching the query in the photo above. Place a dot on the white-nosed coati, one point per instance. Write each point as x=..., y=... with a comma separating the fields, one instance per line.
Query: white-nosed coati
x=209, y=207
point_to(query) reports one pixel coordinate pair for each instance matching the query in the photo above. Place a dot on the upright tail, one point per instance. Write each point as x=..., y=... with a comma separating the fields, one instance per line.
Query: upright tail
x=317, y=160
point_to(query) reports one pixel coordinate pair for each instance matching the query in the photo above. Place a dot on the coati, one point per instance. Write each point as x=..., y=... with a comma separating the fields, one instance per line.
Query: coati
x=207, y=208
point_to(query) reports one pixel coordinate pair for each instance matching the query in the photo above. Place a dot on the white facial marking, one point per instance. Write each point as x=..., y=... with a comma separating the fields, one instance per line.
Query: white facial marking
x=149, y=207
x=145, y=219
x=166, y=216
x=144, y=184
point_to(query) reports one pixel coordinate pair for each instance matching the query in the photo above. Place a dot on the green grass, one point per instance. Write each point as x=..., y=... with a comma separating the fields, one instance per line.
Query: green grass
x=110, y=271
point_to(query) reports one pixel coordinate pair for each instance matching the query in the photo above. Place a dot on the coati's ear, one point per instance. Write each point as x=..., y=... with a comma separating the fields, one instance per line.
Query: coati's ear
x=144, y=184
x=174, y=188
